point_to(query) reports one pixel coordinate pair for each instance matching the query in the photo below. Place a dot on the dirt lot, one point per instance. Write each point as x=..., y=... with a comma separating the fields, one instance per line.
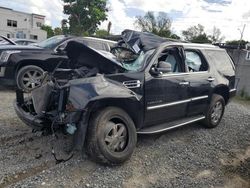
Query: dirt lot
x=190, y=156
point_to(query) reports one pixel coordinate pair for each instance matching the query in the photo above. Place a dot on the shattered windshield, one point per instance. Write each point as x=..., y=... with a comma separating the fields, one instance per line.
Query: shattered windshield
x=139, y=63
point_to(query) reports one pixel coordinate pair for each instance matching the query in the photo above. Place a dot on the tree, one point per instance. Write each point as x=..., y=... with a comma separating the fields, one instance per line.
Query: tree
x=85, y=15
x=160, y=25
x=102, y=33
x=174, y=36
x=237, y=42
x=49, y=30
x=216, y=36
x=58, y=31
x=64, y=26
x=196, y=34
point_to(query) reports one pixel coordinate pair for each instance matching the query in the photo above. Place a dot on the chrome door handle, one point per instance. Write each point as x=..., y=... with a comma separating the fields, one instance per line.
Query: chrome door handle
x=184, y=83
x=210, y=79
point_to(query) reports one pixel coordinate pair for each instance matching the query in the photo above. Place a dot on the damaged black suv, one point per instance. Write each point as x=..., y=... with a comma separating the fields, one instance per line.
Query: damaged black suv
x=145, y=85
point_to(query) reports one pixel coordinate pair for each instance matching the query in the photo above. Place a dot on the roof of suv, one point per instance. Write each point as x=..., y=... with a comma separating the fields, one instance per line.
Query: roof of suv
x=199, y=45
x=196, y=45
x=147, y=41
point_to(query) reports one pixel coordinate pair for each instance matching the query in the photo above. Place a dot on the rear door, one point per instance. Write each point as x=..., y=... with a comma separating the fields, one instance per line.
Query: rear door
x=200, y=82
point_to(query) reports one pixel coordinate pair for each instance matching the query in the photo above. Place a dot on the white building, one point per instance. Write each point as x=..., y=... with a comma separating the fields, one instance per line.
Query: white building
x=15, y=24
x=248, y=46
x=248, y=52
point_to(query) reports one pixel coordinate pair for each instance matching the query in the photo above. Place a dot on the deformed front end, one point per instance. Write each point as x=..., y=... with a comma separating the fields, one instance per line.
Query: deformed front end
x=69, y=107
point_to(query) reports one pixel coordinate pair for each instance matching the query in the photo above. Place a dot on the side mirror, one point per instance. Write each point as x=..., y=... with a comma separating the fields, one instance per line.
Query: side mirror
x=162, y=68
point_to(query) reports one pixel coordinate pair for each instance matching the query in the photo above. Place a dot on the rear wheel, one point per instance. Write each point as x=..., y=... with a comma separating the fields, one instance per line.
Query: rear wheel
x=29, y=77
x=215, y=111
x=111, y=136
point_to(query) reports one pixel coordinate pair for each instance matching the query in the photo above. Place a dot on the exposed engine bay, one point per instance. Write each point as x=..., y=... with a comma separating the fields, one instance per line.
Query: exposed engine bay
x=50, y=103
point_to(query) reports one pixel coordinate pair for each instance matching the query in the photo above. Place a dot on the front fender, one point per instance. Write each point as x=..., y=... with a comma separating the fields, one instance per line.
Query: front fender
x=90, y=94
x=84, y=92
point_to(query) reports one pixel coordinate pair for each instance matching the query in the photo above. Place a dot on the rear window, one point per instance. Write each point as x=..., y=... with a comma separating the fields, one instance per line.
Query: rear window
x=221, y=61
x=194, y=62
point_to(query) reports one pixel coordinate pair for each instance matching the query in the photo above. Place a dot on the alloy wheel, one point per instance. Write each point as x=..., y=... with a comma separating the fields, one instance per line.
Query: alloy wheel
x=32, y=79
x=217, y=111
x=115, y=136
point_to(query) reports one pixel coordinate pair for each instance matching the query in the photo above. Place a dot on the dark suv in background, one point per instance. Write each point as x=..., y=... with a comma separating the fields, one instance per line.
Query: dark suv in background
x=23, y=66
x=146, y=85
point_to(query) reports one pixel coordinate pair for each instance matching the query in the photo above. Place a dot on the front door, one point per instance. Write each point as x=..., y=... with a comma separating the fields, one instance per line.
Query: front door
x=166, y=96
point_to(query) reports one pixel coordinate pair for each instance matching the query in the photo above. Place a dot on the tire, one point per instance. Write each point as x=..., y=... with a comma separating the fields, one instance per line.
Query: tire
x=29, y=77
x=215, y=111
x=103, y=142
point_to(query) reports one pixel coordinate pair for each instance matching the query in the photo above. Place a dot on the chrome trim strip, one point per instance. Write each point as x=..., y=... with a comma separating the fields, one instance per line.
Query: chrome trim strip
x=183, y=73
x=232, y=90
x=175, y=126
x=199, y=98
x=168, y=104
x=177, y=102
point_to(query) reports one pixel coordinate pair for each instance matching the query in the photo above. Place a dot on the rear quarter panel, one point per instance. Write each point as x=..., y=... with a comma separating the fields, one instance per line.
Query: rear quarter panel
x=222, y=67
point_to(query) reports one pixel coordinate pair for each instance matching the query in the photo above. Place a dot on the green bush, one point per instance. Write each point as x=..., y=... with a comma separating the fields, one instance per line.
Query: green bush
x=244, y=95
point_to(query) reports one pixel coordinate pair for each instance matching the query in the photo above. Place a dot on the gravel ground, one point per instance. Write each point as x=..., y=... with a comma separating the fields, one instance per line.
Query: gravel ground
x=191, y=156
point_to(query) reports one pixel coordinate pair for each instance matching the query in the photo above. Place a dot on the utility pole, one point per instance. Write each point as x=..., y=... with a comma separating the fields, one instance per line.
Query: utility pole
x=241, y=35
x=238, y=61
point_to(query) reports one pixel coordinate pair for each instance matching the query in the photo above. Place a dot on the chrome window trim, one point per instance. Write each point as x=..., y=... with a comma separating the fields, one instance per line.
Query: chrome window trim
x=175, y=126
x=2, y=71
x=176, y=102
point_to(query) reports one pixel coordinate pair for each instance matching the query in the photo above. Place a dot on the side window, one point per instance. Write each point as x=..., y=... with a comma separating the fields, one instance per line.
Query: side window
x=221, y=60
x=169, y=57
x=194, y=62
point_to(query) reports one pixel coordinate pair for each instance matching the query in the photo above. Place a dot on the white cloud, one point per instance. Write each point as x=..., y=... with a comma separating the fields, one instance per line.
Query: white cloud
x=227, y=17
x=52, y=9
x=118, y=17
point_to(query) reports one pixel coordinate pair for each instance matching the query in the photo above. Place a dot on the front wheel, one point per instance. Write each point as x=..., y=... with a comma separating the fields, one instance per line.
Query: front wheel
x=215, y=111
x=111, y=136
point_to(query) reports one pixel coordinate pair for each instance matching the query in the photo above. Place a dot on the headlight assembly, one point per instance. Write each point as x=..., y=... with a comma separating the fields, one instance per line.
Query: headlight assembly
x=6, y=54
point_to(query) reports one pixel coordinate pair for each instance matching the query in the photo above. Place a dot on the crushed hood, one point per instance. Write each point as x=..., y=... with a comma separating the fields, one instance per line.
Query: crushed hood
x=142, y=41
x=81, y=54
x=106, y=62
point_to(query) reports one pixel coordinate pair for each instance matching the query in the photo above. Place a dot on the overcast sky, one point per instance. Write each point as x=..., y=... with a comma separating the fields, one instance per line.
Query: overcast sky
x=227, y=15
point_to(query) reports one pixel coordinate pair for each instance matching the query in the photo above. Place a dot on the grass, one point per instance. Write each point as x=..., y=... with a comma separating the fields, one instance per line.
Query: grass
x=242, y=100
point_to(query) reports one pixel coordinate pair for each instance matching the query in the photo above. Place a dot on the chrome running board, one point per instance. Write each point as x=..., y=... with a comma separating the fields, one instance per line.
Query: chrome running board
x=168, y=126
